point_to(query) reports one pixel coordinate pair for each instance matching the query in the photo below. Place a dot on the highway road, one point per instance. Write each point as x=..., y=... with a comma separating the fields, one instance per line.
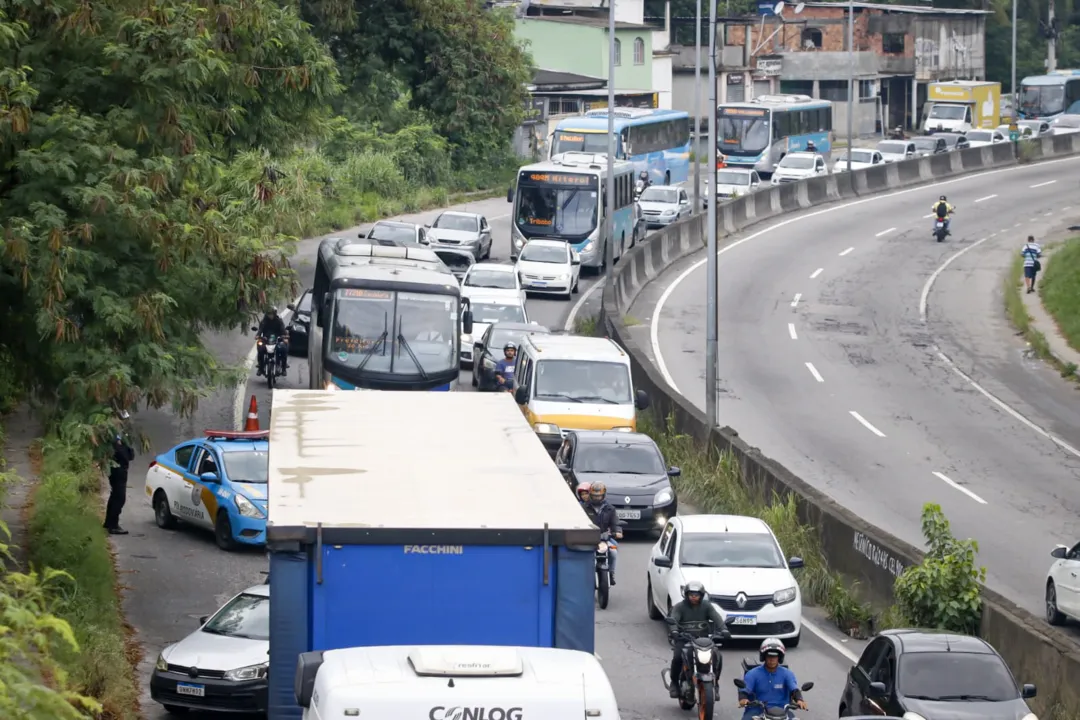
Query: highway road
x=878, y=364
x=173, y=578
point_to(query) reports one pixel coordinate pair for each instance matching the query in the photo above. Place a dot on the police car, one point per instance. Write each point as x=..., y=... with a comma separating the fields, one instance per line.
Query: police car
x=217, y=482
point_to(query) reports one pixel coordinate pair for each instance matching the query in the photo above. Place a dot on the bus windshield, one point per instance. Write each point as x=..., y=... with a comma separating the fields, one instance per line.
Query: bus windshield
x=560, y=205
x=573, y=141
x=382, y=331
x=743, y=130
x=1040, y=100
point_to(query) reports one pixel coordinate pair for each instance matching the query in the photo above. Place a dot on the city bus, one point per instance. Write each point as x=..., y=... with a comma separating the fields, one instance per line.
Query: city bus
x=657, y=141
x=1046, y=96
x=384, y=318
x=758, y=133
x=561, y=198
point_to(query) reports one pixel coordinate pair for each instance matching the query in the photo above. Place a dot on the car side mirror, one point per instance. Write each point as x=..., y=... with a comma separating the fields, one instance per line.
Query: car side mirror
x=521, y=395
x=467, y=322
x=641, y=400
x=877, y=689
x=807, y=686
x=739, y=683
x=203, y=619
x=662, y=561
x=794, y=563
x=575, y=258
x=1028, y=691
x=254, y=329
x=209, y=477
x=563, y=467
x=427, y=227
x=1060, y=552
x=674, y=471
x=291, y=306
x=510, y=195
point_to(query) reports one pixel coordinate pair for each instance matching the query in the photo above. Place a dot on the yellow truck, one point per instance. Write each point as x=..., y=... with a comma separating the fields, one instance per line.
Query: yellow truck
x=962, y=105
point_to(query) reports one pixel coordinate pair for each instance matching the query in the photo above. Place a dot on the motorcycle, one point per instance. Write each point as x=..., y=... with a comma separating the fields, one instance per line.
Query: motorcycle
x=274, y=358
x=773, y=713
x=603, y=567
x=897, y=133
x=639, y=187
x=700, y=680
x=941, y=228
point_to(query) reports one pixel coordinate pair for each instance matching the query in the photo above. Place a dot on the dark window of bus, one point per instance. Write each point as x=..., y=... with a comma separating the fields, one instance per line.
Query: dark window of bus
x=684, y=131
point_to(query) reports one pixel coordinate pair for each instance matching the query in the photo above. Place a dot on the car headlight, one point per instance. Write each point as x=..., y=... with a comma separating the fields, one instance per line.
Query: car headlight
x=703, y=656
x=161, y=664
x=251, y=672
x=489, y=363
x=663, y=497
x=602, y=547
x=669, y=213
x=564, y=276
x=588, y=247
x=330, y=386
x=783, y=597
x=1030, y=716
x=622, y=428
x=247, y=508
x=466, y=339
x=546, y=429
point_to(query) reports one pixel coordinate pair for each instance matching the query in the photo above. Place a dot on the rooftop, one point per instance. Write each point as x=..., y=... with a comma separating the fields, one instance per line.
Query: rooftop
x=591, y=21
x=901, y=9
x=543, y=77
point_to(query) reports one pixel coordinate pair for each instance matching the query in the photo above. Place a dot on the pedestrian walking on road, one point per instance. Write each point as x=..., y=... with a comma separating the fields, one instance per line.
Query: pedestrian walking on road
x=1031, y=252
x=123, y=454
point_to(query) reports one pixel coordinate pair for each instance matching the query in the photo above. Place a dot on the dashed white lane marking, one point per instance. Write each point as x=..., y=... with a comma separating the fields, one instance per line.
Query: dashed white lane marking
x=814, y=372
x=816, y=273
x=791, y=331
x=988, y=197
x=850, y=249
x=956, y=486
x=795, y=301
x=866, y=423
x=1043, y=184
x=1048, y=214
x=884, y=232
x=928, y=216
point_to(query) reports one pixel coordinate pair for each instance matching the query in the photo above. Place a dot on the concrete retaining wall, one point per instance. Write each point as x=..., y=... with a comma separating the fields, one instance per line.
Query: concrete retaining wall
x=1035, y=651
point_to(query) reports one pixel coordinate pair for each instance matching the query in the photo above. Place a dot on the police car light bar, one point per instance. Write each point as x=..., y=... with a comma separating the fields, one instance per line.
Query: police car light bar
x=237, y=434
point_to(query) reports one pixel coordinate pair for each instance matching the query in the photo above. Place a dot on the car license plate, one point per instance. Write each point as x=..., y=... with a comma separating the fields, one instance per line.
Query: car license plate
x=539, y=282
x=628, y=514
x=189, y=689
x=741, y=619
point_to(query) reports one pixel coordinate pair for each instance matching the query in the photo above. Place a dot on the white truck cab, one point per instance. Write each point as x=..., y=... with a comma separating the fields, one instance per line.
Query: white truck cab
x=453, y=682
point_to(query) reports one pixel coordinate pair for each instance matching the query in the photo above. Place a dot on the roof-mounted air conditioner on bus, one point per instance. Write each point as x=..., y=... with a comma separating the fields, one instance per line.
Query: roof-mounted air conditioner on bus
x=362, y=248
x=783, y=99
x=576, y=158
x=627, y=112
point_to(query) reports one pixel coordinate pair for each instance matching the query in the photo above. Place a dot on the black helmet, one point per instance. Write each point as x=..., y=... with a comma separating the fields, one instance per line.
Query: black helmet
x=271, y=311
x=942, y=198
x=644, y=174
x=694, y=587
x=772, y=647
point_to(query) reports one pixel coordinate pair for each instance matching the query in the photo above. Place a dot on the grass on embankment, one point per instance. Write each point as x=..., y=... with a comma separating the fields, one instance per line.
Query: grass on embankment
x=1060, y=290
x=64, y=528
x=1066, y=297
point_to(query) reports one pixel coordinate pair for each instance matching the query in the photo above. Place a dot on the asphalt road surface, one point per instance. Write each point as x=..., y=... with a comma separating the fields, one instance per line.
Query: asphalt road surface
x=172, y=578
x=878, y=364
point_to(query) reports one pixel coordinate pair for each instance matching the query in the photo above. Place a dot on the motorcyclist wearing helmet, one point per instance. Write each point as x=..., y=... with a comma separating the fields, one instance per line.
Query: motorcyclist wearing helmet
x=943, y=210
x=770, y=683
x=694, y=616
x=504, y=369
x=583, y=494
x=810, y=146
x=272, y=324
x=603, y=514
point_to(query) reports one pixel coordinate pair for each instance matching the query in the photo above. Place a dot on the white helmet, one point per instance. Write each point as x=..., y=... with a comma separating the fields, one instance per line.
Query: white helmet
x=772, y=647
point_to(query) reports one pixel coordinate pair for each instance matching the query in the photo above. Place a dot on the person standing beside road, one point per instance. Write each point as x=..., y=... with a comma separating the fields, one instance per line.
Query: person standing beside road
x=1031, y=252
x=123, y=454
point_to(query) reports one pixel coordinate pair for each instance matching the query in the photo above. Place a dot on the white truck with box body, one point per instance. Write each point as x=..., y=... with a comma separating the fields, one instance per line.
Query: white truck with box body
x=453, y=682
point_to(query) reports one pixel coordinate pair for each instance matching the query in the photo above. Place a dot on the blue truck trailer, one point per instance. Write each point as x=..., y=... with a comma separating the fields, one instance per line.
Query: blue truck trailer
x=402, y=518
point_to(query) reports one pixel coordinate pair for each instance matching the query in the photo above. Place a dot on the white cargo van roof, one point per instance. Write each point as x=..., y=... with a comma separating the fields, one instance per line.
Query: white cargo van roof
x=462, y=682
x=364, y=463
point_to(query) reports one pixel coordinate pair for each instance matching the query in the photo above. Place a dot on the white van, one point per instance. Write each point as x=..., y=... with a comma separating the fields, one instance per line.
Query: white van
x=453, y=682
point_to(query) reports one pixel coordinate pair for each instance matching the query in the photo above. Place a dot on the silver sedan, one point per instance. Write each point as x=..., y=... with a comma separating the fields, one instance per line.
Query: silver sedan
x=461, y=231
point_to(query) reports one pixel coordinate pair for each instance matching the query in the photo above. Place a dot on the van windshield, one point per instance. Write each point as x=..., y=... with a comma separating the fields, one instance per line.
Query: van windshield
x=583, y=381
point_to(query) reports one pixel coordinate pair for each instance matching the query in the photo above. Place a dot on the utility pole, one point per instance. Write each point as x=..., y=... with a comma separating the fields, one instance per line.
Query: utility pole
x=1051, y=31
x=1012, y=85
x=607, y=188
x=711, y=317
x=851, y=78
x=697, y=110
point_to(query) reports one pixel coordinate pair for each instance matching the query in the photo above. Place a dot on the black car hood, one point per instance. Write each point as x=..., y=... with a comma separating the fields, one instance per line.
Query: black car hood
x=459, y=261
x=622, y=485
x=962, y=710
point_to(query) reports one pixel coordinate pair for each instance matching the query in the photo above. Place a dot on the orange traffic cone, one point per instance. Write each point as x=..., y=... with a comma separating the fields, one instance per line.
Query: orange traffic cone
x=252, y=423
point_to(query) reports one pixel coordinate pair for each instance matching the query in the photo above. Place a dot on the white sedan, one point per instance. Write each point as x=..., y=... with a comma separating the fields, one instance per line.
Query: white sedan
x=859, y=159
x=492, y=280
x=1063, y=585
x=982, y=138
x=549, y=266
x=742, y=567
x=222, y=666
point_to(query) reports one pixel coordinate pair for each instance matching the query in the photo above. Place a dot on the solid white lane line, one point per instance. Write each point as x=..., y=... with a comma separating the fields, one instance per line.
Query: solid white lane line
x=934, y=276
x=791, y=331
x=846, y=251
x=1043, y=184
x=834, y=644
x=814, y=372
x=884, y=232
x=959, y=487
x=654, y=325
x=816, y=273
x=568, y=326
x=988, y=197
x=795, y=301
x=866, y=423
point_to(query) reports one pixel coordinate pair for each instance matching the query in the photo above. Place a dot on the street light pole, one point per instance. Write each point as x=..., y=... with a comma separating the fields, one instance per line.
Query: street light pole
x=697, y=109
x=710, y=251
x=608, y=188
x=1012, y=85
x=851, y=78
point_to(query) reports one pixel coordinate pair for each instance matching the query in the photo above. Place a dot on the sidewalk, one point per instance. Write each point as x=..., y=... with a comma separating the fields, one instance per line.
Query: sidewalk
x=1042, y=321
x=21, y=428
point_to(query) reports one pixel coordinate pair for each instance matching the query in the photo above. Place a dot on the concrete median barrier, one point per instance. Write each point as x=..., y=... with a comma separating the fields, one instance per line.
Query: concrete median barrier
x=853, y=547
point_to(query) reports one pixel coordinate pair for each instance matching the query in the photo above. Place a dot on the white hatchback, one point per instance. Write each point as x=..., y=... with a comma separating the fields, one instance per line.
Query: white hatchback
x=742, y=567
x=1063, y=585
x=492, y=280
x=488, y=308
x=549, y=266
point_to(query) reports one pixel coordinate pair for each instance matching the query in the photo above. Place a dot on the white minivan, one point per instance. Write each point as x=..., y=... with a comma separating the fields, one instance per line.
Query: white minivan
x=453, y=682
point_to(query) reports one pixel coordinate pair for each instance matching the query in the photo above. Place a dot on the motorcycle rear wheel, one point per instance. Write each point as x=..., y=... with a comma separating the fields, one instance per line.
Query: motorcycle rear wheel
x=706, y=701
x=603, y=588
x=271, y=374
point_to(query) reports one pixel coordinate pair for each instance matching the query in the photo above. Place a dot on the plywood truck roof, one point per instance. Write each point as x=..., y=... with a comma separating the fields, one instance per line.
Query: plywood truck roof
x=383, y=467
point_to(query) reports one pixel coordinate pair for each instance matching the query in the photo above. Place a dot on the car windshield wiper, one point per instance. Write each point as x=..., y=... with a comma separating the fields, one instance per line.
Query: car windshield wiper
x=984, y=698
x=405, y=344
x=692, y=564
x=597, y=397
x=563, y=396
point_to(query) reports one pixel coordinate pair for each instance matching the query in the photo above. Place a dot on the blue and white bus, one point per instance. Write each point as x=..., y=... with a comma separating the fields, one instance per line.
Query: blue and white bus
x=1045, y=96
x=566, y=198
x=384, y=318
x=758, y=133
x=657, y=141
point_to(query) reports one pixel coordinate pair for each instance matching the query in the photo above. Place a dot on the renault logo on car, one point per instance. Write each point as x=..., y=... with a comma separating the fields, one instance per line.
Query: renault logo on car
x=740, y=600
x=626, y=499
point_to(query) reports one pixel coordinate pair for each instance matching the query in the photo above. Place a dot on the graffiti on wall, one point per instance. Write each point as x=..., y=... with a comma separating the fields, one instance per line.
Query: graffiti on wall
x=878, y=555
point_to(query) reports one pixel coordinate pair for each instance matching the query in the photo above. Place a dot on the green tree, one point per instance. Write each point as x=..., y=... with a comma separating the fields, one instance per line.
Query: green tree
x=149, y=189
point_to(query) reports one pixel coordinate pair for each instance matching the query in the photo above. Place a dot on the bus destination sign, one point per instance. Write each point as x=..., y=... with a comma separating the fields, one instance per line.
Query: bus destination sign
x=746, y=112
x=562, y=179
